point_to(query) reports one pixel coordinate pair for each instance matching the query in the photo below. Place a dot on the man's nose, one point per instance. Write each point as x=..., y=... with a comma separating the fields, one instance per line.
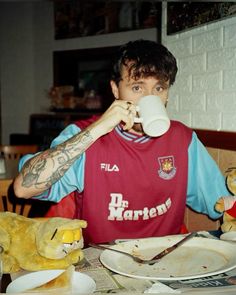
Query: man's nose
x=149, y=92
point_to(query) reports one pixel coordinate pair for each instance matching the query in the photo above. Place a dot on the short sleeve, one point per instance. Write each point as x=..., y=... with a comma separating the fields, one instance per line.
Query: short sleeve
x=72, y=180
x=206, y=183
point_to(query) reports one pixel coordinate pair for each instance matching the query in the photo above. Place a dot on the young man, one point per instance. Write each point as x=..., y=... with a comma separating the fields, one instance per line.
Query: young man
x=130, y=185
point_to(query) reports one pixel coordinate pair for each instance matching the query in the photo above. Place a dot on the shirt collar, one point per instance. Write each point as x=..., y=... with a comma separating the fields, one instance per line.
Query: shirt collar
x=131, y=136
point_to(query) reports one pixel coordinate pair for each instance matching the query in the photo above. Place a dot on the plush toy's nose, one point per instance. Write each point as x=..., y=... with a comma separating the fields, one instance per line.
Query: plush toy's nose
x=68, y=237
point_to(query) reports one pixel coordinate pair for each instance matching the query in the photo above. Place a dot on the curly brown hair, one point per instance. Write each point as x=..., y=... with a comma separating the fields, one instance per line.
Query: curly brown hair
x=144, y=58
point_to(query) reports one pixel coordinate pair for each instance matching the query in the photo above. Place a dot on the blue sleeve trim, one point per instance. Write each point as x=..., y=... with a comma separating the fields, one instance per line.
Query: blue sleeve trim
x=206, y=184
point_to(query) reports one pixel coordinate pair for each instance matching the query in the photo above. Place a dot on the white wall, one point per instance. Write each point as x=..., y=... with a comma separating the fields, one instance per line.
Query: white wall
x=16, y=67
x=204, y=95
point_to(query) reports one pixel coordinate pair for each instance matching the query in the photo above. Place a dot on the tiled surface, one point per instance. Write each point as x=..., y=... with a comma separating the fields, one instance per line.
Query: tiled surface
x=195, y=221
x=204, y=93
x=205, y=86
x=227, y=160
x=224, y=158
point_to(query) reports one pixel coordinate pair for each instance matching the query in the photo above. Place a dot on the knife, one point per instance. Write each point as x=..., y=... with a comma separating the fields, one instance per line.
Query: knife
x=169, y=249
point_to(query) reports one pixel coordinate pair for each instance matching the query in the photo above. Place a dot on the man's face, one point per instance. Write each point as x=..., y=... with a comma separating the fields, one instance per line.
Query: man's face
x=132, y=90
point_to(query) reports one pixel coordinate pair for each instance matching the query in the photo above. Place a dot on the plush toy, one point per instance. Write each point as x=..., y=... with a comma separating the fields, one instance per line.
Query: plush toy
x=37, y=244
x=227, y=205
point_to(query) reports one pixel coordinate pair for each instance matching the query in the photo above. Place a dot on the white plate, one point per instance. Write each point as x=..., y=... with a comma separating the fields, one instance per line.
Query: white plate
x=229, y=236
x=198, y=257
x=32, y=280
x=81, y=283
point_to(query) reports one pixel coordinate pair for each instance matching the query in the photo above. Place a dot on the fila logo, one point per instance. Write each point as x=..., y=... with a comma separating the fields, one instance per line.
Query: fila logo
x=109, y=167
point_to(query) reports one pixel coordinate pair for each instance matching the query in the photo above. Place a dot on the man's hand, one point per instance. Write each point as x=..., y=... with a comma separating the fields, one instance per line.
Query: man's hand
x=120, y=111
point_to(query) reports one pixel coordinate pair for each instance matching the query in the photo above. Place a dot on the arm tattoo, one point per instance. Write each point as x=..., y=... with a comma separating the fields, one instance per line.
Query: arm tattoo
x=49, y=166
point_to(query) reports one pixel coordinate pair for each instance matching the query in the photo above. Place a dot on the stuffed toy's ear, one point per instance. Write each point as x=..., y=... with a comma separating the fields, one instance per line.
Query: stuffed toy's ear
x=227, y=205
x=231, y=180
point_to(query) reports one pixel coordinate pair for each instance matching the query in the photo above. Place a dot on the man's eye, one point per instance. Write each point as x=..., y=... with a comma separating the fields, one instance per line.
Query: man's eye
x=136, y=88
x=159, y=89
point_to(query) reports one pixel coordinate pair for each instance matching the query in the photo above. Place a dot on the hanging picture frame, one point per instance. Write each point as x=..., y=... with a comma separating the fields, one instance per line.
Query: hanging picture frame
x=182, y=16
x=73, y=18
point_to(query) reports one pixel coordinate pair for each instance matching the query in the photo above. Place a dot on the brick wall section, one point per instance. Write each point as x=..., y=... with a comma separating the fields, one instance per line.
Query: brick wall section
x=204, y=95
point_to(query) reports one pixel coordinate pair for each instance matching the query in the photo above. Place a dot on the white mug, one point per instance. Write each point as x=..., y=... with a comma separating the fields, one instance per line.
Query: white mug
x=152, y=115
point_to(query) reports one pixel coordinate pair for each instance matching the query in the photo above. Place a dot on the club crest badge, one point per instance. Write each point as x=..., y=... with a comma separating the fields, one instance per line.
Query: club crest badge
x=167, y=167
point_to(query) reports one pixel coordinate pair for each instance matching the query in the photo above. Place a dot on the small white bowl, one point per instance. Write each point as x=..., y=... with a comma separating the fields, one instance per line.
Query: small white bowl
x=229, y=236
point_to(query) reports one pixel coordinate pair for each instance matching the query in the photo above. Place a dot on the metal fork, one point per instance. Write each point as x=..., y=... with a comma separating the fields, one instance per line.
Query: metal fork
x=154, y=259
x=103, y=247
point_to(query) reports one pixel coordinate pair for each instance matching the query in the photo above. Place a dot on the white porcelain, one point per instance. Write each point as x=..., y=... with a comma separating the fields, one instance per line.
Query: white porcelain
x=198, y=257
x=81, y=283
x=229, y=236
x=152, y=115
x=32, y=280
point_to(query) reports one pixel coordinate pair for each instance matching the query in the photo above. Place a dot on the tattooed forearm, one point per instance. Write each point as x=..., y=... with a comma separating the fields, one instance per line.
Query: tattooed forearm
x=48, y=167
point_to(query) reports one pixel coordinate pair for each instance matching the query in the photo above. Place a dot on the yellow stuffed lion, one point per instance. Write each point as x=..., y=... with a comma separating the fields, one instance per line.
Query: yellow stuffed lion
x=227, y=204
x=37, y=244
